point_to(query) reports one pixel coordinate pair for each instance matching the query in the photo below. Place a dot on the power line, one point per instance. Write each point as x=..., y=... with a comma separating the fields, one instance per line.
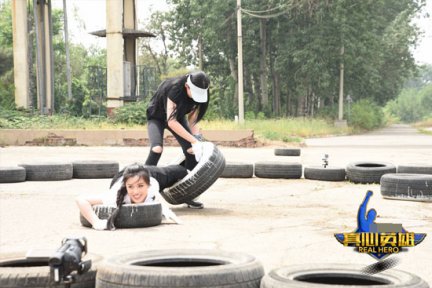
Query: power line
x=263, y=11
x=265, y=16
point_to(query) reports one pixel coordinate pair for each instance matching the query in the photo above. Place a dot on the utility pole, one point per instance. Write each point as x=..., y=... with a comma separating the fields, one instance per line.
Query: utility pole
x=340, y=122
x=240, y=63
x=341, y=84
x=68, y=66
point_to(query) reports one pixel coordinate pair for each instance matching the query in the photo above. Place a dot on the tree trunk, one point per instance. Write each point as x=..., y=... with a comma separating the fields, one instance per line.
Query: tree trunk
x=258, y=95
x=276, y=91
x=301, y=105
x=263, y=65
x=288, y=104
x=32, y=84
x=200, y=53
x=247, y=82
x=276, y=94
x=233, y=70
x=312, y=104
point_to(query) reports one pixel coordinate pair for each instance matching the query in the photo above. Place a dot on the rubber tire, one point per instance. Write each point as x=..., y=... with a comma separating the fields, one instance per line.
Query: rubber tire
x=235, y=270
x=414, y=187
x=207, y=171
x=16, y=272
x=368, y=172
x=296, y=276
x=12, y=174
x=287, y=152
x=48, y=171
x=238, y=170
x=94, y=169
x=278, y=170
x=324, y=174
x=415, y=169
x=130, y=215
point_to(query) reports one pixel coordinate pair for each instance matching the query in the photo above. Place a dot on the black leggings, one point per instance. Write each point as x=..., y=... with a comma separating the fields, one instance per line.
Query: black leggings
x=167, y=175
x=156, y=131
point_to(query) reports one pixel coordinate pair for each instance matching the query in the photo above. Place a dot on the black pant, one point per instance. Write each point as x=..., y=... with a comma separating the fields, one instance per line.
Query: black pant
x=156, y=131
x=167, y=175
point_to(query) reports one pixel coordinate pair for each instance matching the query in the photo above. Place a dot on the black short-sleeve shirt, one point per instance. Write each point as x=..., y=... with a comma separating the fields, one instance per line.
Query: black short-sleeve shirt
x=175, y=90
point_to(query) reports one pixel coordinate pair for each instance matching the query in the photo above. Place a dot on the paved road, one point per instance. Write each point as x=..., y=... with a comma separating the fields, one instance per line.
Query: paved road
x=394, y=136
x=281, y=222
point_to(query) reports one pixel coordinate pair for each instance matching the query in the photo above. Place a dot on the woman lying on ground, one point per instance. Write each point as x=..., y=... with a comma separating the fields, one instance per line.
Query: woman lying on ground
x=135, y=184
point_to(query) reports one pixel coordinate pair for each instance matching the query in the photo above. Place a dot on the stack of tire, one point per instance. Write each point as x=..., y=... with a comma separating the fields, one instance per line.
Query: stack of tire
x=266, y=169
x=180, y=268
x=197, y=268
x=411, y=182
x=368, y=172
x=58, y=171
x=18, y=271
x=283, y=170
x=337, y=275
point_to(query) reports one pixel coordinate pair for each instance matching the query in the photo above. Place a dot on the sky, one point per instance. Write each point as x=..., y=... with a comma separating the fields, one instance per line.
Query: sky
x=92, y=15
x=423, y=53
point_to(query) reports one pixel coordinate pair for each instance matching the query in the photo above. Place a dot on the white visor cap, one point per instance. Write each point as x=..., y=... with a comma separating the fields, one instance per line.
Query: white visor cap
x=198, y=94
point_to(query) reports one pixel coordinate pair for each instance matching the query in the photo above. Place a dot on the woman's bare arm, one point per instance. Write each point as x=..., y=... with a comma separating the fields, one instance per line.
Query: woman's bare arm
x=85, y=204
x=176, y=126
x=192, y=122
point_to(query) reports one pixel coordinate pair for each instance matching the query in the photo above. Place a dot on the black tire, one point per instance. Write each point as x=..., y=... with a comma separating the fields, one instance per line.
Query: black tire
x=324, y=174
x=93, y=169
x=278, y=170
x=180, y=268
x=337, y=275
x=48, y=171
x=368, y=172
x=18, y=272
x=130, y=215
x=287, y=152
x=12, y=174
x=415, y=169
x=238, y=170
x=414, y=187
x=207, y=171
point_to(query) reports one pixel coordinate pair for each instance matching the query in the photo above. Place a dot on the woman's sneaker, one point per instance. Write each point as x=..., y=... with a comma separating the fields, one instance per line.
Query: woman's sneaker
x=194, y=204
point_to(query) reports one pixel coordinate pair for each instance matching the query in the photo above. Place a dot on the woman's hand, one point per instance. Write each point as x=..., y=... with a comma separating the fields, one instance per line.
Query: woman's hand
x=197, y=148
x=100, y=224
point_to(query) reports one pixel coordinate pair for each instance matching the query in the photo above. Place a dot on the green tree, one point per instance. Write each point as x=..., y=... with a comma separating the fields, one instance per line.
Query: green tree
x=292, y=53
x=407, y=106
x=6, y=57
x=414, y=102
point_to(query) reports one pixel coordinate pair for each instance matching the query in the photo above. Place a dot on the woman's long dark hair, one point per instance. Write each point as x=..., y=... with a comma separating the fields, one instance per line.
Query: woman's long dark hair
x=129, y=172
x=199, y=79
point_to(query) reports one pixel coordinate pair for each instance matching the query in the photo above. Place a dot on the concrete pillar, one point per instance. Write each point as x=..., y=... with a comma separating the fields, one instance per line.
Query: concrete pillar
x=130, y=43
x=45, y=59
x=115, y=82
x=130, y=23
x=20, y=46
x=49, y=57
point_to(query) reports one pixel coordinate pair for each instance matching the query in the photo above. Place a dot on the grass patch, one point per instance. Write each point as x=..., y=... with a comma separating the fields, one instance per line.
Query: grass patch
x=25, y=120
x=424, y=126
x=286, y=130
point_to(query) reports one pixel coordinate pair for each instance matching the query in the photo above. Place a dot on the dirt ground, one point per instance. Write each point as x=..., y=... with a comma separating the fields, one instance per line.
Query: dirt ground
x=279, y=221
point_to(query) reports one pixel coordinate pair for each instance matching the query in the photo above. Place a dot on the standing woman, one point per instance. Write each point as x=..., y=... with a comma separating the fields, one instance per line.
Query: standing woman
x=178, y=105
